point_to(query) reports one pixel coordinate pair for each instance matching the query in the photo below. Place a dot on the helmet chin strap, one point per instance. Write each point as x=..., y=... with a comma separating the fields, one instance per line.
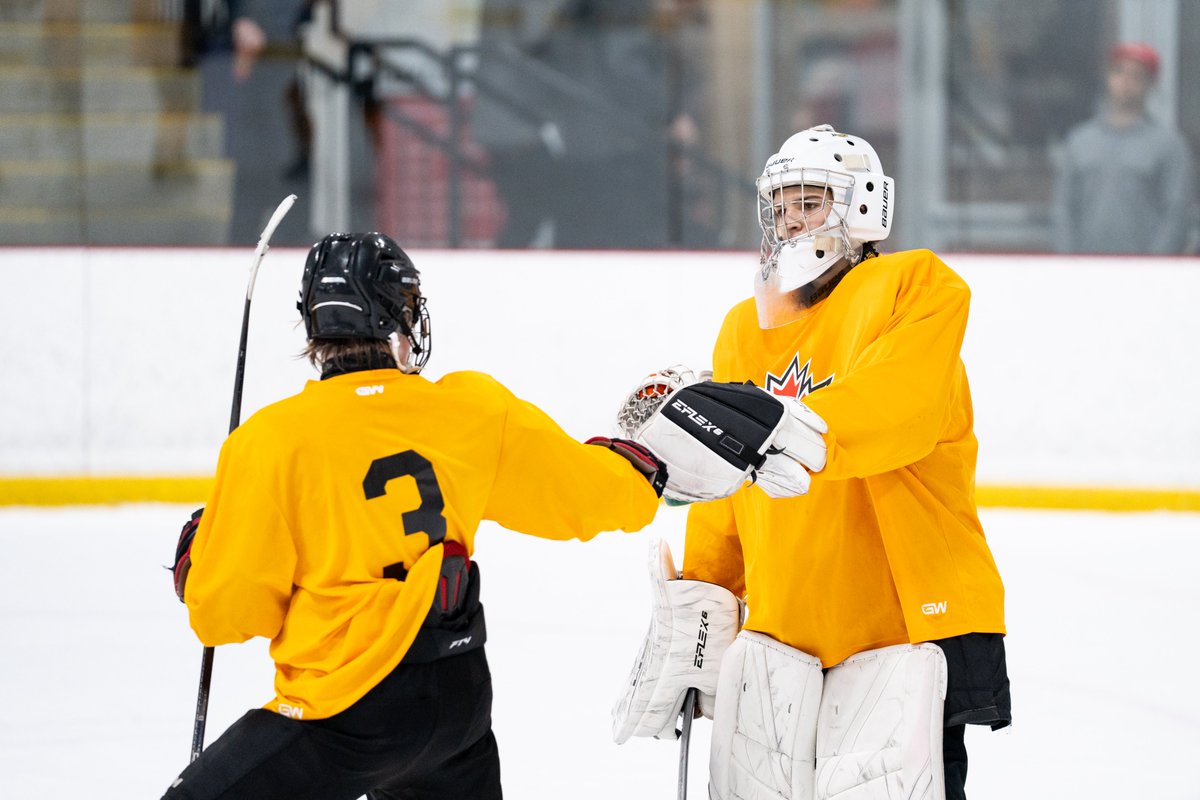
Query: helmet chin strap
x=402, y=352
x=831, y=249
x=838, y=242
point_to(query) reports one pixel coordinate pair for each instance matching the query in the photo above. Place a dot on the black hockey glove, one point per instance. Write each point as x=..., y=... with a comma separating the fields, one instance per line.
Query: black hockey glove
x=183, y=553
x=640, y=456
x=450, y=597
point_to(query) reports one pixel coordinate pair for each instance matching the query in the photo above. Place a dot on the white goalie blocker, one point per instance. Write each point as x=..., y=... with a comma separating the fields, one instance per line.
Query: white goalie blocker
x=716, y=437
x=870, y=728
x=692, y=623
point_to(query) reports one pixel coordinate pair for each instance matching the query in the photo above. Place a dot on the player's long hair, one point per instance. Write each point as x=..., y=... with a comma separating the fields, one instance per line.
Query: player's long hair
x=349, y=355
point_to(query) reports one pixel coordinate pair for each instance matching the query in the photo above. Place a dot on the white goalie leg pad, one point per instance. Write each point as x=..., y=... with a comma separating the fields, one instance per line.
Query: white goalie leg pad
x=879, y=733
x=691, y=625
x=765, y=726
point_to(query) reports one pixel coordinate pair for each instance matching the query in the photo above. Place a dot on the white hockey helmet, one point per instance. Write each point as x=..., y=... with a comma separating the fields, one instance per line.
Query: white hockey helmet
x=854, y=204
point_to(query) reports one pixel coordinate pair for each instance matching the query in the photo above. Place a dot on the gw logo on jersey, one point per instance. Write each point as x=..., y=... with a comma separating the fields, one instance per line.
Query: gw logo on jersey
x=796, y=381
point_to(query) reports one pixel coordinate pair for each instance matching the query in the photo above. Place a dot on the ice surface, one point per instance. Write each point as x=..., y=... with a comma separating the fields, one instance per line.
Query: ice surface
x=99, y=670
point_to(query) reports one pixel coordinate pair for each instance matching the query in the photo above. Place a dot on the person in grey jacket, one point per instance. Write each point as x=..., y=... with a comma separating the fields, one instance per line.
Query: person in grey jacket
x=1125, y=181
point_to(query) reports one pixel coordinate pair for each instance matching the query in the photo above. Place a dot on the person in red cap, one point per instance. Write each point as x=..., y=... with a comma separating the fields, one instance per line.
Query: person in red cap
x=1135, y=53
x=1125, y=181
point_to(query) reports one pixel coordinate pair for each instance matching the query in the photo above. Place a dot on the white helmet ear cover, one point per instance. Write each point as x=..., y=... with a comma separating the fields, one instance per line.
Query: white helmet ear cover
x=872, y=201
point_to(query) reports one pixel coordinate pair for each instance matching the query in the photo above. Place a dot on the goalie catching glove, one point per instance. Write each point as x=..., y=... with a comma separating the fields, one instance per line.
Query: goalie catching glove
x=691, y=625
x=713, y=437
x=649, y=395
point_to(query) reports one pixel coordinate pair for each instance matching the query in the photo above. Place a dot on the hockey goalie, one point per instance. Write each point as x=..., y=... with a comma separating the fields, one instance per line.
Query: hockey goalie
x=851, y=613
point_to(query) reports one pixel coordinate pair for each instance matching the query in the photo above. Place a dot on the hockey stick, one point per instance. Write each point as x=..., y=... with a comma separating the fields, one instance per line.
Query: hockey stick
x=685, y=735
x=206, y=662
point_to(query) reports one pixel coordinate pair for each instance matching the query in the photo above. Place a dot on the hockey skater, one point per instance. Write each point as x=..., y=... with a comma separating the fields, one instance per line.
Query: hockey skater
x=874, y=612
x=341, y=527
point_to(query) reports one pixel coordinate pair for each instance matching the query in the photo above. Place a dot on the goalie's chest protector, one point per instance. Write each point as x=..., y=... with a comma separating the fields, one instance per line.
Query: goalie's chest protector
x=886, y=548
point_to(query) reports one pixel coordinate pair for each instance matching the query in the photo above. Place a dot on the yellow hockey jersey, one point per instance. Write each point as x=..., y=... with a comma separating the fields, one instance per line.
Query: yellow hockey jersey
x=886, y=547
x=317, y=494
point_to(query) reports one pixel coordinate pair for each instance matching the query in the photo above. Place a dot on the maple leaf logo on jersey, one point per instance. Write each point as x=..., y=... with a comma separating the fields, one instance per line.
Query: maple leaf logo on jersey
x=795, y=381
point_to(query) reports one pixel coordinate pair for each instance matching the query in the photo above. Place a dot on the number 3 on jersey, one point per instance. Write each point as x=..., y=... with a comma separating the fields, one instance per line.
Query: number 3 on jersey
x=426, y=518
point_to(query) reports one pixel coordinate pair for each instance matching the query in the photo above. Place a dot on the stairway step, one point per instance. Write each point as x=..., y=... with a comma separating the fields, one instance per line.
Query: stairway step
x=53, y=186
x=133, y=136
x=90, y=10
x=70, y=44
x=118, y=227
x=101, y=88
x=128, y=10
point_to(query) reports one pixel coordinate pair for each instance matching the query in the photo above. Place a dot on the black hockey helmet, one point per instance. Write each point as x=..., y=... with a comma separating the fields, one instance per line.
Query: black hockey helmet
x=363, y=286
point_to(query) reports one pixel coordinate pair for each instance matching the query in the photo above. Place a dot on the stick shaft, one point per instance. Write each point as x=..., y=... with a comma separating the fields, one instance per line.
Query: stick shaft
x=685, y=736
x=206, y=665
x=235, y=414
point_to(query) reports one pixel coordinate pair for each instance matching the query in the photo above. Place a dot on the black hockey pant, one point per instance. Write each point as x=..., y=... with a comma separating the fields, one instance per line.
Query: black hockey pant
x=424, y=733
x=977, y=693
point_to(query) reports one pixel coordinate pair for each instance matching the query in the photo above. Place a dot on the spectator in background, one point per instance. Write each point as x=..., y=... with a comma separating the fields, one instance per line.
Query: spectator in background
x=246, y=54
x=1125, y=181
x=693, y=187
x=250, y=40
x=510, y=121
x=582, y=106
